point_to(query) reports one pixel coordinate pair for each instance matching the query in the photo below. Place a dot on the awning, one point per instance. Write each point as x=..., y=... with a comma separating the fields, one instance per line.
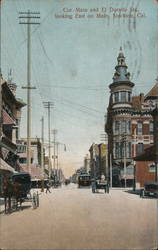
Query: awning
x=5, y=166
x=7, y=119
x=8, y=144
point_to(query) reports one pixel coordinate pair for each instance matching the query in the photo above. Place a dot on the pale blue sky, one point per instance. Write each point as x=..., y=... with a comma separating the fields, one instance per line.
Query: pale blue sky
x=73, y=63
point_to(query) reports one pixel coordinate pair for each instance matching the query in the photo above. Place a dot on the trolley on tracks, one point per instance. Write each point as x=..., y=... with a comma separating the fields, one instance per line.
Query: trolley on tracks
x=84, y=180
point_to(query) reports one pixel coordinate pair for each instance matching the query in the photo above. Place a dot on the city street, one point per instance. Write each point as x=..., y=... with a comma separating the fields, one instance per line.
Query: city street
x=72, y=218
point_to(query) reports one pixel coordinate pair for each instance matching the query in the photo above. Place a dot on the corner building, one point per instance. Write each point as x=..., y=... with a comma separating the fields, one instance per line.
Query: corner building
x=129, y=123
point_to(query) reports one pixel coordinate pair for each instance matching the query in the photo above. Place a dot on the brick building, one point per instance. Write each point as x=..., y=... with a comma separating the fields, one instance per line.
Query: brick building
x=147, y=162
x=129, y=122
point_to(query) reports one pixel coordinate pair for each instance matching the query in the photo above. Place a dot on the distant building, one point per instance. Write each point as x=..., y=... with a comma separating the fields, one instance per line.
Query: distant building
x=86, y=163
x=98, y=160
x=129, y=122
x=35, y=156
x=35, y=151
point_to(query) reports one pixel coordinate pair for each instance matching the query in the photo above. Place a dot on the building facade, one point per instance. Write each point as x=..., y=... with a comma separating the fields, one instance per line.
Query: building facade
x=129, y=123
x=10, y=117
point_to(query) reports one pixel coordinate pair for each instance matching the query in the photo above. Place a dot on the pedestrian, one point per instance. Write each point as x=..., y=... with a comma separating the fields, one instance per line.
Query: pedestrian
x=47, y=187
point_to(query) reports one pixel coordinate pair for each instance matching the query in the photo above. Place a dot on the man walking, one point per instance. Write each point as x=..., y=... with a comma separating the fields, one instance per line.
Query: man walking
x=47, y=187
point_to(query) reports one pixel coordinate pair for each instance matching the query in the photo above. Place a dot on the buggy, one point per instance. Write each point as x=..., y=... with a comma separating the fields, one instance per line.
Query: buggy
x=150, y=189
x=18, y=189
x=100, y=184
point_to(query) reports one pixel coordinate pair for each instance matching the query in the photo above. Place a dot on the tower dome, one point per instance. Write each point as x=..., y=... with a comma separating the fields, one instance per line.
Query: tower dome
x=121, y=74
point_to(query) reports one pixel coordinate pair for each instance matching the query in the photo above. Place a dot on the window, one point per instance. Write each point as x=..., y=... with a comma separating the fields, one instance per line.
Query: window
x=22, y=160
x=151, y=128
x=123, y=96
x=140, y=148
x=116, y=94
x=21, y=148
x=151, y=167
x=129, y=96
x=119, y=149
x=117, y=127
x=140, y=128
x=123, y=127
x=128, y=149
x=128, y=127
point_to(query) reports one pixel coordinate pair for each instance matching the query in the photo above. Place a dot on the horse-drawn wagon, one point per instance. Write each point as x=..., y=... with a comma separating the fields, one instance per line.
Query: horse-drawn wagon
x=100, y=184
x=17, y=189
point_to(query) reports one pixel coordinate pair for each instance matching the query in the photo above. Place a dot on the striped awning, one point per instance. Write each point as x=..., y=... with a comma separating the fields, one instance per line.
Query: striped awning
x=5, y=166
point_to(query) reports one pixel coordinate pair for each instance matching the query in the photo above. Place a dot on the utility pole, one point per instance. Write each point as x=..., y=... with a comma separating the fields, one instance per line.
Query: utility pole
x=28, y=16
x=42, y=151
x=49, y=105
x=54, y=131
x=57, y=143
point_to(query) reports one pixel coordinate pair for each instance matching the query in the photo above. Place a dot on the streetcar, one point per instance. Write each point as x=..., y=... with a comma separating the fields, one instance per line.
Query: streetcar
x=84, y=180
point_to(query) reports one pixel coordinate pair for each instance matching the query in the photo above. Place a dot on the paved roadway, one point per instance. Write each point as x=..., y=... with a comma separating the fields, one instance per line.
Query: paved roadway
x=72, y=218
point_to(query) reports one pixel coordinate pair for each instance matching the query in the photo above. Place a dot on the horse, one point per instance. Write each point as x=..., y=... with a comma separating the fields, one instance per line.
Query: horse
x=11, y=190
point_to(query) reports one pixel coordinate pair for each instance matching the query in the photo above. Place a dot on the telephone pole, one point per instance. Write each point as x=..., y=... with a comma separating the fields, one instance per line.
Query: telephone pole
x=54, y=131
x=49, y=105
x=27, y=16
x=42, y=151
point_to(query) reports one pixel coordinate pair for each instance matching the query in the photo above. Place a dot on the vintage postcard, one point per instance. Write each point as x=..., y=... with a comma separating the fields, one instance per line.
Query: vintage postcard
x=78, y=124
